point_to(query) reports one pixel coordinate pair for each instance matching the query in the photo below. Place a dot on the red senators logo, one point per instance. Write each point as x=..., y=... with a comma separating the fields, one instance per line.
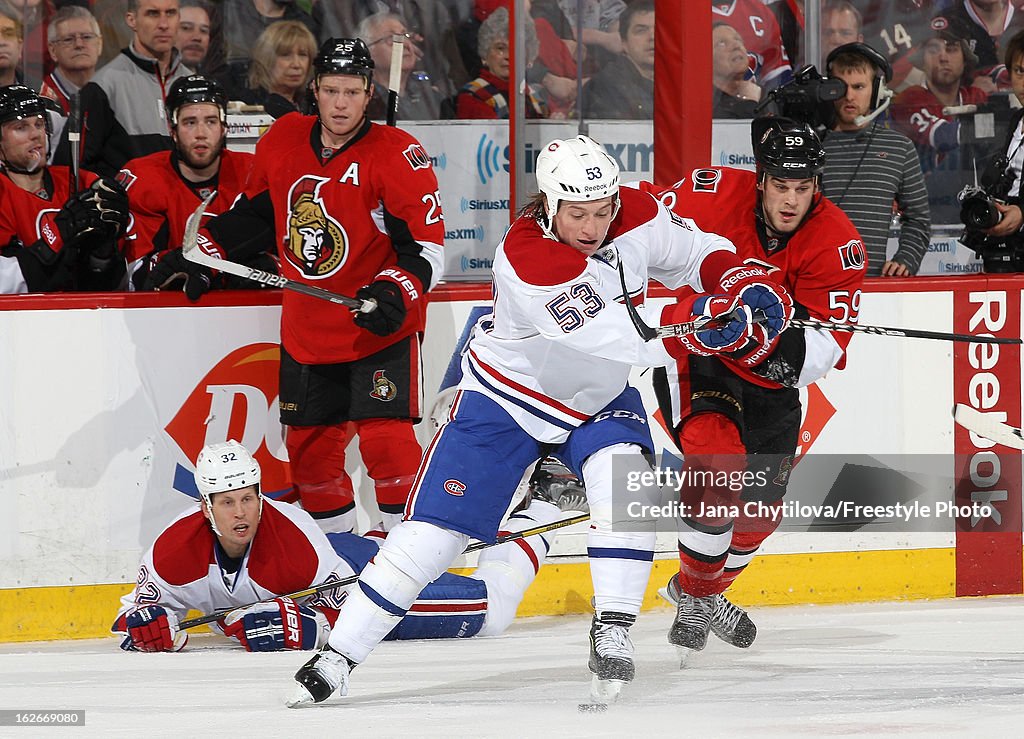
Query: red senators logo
x=454, y=487
x=234, y=401
x=706, y=180
x=851, y=254
x=416, y=157
x=317, y=244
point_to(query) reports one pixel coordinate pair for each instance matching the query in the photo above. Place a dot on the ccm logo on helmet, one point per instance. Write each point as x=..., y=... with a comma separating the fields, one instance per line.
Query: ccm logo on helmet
x=454, y=487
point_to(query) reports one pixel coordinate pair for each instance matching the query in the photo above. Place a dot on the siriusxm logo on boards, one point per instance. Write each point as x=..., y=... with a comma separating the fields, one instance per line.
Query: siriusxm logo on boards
x=473, y=233
x=488, y=153
x=468, y=204
x=440, y=162
x=731, y=159
x=470, y=263
x=492, y=158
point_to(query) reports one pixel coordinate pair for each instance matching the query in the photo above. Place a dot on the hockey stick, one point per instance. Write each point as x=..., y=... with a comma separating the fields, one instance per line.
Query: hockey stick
x=647, y=333
x=395, y=78
x=74, y=140
x=191, y=251
x=313, y=590
x=987, y=426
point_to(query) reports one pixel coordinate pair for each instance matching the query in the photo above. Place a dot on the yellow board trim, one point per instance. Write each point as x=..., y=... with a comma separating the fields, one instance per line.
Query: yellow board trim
x=87, y=611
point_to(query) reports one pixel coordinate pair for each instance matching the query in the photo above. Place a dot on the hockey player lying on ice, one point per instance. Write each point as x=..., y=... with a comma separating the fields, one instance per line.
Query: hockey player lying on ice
x=238, y=547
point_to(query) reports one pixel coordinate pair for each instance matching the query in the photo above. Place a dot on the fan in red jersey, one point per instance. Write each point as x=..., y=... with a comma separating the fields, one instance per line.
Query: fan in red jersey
x=723, y=409
x=52, y=237
x=165, y=187
x=353, y=207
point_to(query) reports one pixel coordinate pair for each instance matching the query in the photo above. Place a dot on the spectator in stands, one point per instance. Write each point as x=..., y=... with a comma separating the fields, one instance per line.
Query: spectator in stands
x=431, y=24
x=116, y=33
x=840, y=24
x=789, y=14
x=926, y=114
x=989, y=25
x=554, y=68
x=75, y=45
x=193, y=34
x=487, y=95
x=599, y=24
x=760, y=33
x=419, y=98
x=625, y=87
x=10, y=44
x=735, y=95
x=871, y=168
x=124, y=102
x=55, y=234
x=236, y=25
x=282, y=66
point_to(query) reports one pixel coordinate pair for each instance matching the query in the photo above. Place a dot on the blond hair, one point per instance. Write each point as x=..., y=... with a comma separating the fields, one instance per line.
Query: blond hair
x=277, y=40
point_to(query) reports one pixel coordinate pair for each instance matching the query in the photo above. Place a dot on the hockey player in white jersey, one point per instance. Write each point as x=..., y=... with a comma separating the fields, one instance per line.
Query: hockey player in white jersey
x=238, y=547
x=547, y=372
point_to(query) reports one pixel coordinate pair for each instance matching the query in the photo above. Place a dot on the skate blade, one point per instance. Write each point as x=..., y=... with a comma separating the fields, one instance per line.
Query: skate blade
x=300, y=697
x=685, y=656
x=663, y=592
x=605, y=691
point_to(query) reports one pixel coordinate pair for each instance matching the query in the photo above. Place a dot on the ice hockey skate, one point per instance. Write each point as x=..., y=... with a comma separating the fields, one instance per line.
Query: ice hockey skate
x=320, y=677
x=729, y=622
x=555, y=483
x=689, y=631
x=611, y=655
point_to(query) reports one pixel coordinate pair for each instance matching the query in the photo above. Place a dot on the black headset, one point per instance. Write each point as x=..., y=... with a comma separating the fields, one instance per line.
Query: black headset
x=883, y=70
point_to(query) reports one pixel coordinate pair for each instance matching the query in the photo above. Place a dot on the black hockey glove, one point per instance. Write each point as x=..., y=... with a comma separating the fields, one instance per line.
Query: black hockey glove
x=389, y=315
x=174, y=272
x=43, y=269
x=110, y=200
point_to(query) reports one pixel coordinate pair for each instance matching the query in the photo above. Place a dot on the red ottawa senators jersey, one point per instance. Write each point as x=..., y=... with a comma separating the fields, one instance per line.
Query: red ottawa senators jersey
x=28, y=216
x=339, y=223
x=162, y=200
x=822, y=264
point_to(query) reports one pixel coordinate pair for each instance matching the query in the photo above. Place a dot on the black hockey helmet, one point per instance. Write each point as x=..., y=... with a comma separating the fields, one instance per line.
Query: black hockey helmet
x=344, y=56
x=787, y=149
x=195, y=89
x=18, y=102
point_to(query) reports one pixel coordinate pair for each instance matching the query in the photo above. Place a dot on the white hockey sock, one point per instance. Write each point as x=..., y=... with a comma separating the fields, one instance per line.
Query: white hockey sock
x=510, y=568
x=342, y=523
x=414, y=554
x=620, y=561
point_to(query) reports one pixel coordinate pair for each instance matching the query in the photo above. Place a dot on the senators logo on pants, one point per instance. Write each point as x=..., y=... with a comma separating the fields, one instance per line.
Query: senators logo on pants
x=317, y=244
x=383, y=388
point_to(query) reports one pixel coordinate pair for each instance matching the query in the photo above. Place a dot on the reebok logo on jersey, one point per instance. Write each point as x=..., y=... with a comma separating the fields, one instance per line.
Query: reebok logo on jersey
x=455, y=487
x=738, y=274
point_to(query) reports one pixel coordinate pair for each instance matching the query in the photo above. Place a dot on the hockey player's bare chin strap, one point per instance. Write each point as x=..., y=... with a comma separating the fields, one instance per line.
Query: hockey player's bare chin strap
x=714, y=547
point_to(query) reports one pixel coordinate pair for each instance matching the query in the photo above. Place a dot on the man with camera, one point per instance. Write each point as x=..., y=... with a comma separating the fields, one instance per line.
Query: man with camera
x=992, y=213
x=871, y=168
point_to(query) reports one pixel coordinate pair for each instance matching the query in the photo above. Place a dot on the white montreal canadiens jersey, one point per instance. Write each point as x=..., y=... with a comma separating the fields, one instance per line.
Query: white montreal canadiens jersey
x=289, y=553
x=559, y=345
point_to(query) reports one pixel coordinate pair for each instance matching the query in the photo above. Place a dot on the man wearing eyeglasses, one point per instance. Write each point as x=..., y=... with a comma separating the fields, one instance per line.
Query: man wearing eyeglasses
x=75, y=45
x=11, y=37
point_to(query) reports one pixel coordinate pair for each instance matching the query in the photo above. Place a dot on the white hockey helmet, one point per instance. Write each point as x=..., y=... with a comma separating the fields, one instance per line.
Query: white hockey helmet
x=222, y=467
x=575, y=170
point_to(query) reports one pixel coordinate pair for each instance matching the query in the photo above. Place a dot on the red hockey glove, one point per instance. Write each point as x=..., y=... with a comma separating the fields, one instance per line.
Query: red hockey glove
x=396, y=292
x=150, y=629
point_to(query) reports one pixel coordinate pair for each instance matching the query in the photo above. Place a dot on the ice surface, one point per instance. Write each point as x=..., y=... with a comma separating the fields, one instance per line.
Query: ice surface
x=939, y=668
